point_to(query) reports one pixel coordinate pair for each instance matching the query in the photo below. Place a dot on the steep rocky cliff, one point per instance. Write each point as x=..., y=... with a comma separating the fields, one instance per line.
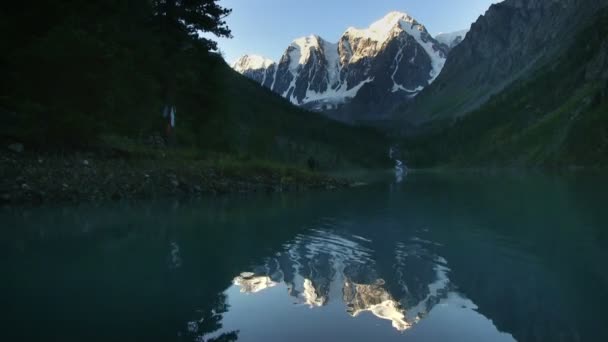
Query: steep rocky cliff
x=555, y=114
x=509, y=42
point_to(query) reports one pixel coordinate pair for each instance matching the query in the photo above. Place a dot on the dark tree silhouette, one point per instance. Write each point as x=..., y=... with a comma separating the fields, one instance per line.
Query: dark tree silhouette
x=183, y=22
x=190, y=18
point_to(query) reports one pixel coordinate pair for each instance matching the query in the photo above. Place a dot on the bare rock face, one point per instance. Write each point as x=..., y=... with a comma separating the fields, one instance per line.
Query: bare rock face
x=597, y=69
x=365, y=74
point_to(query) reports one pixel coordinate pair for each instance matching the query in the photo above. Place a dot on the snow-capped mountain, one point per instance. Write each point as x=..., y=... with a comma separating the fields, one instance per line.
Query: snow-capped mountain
x=255, y=67
x=451, y=39
x=371, y=69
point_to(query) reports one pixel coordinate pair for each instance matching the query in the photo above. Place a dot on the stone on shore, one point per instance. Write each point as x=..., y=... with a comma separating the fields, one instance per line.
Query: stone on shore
x=16, y=147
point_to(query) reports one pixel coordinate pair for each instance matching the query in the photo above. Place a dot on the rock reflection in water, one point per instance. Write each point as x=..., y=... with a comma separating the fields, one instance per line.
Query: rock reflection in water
x=313, y=299
x=375, y=299
x=250, y=283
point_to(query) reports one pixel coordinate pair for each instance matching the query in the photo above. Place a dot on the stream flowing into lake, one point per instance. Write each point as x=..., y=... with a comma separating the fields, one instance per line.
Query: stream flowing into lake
x=503, y=256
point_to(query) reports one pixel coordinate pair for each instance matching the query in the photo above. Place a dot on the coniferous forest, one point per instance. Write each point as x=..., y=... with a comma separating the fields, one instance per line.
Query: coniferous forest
x=96, y=75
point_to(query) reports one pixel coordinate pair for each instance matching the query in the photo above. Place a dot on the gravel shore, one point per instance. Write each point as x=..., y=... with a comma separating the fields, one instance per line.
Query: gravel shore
x=37, y=179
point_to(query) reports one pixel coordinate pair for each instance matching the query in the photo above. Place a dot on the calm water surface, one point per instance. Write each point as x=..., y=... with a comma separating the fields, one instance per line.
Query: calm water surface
x=445, y=257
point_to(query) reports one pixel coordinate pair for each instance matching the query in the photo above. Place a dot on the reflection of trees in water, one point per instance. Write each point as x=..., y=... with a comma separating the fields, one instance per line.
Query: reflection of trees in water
x=209, y=322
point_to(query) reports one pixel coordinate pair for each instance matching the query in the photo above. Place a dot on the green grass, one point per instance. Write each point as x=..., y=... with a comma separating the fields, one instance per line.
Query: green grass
x=229, y=165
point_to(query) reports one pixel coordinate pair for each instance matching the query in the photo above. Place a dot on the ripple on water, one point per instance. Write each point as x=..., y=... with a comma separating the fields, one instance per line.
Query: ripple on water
x=322, y=268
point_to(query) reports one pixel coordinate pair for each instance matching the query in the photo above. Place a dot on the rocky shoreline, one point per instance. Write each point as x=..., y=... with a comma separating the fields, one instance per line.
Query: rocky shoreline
x=28, y=179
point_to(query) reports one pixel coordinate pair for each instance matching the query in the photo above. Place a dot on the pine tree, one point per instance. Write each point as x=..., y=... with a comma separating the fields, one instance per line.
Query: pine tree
x=182, y=22
x=190, y=18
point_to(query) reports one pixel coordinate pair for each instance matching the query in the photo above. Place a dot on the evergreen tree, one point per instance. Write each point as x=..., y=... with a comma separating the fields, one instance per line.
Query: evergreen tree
x=75, y=70
x=190, y=18
x=182, y=22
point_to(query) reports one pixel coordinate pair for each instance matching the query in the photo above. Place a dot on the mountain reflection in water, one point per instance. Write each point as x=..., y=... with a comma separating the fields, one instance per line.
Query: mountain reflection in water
x=323, y=268
x=250, y=283
x=438, y=257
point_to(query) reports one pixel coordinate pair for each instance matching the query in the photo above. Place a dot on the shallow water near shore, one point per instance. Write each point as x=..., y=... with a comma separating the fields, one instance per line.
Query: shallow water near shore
x=433, y=257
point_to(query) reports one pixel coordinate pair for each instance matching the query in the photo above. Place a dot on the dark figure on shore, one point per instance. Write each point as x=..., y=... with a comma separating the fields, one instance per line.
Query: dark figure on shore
x=312, y=164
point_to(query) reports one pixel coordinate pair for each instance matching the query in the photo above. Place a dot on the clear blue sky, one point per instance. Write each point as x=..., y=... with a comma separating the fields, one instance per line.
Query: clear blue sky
x=267, y=27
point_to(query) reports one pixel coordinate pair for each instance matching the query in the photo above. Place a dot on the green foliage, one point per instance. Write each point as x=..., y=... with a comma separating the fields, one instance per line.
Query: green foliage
x=75, y=70
x=83, y=75
x=556, y=117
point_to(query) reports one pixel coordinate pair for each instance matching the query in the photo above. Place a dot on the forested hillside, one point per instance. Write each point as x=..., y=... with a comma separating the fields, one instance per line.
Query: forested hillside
x=96, y=75
x=556, y=117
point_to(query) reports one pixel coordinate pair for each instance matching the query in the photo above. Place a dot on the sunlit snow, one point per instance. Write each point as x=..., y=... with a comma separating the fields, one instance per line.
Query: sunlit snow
x=355, y=45
x=251, y=62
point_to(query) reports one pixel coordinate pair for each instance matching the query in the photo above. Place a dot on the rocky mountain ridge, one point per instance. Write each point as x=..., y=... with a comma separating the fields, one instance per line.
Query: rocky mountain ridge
x=380, y=66
x=511, y=40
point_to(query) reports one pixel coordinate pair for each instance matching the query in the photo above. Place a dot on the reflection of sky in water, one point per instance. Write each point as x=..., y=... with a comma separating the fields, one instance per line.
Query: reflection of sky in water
x=323, y=282
x=154, y=271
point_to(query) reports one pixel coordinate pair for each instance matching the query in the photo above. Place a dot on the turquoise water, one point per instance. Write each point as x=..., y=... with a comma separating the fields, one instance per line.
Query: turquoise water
x=436, y=257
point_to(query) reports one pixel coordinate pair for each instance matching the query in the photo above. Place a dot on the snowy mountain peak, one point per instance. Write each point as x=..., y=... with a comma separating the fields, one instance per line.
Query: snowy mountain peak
x=381, y=30
x=308, y=41
x=300, y=51
x=391, y=20
x=393, y=60
x=303, y=47
x=367, y=43
x=251, y=62
x=452, y=39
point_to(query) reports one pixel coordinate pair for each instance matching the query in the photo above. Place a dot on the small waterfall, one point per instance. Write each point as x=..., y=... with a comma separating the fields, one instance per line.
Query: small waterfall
x=175, y=260
x=399, y=171
x=400, y=168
